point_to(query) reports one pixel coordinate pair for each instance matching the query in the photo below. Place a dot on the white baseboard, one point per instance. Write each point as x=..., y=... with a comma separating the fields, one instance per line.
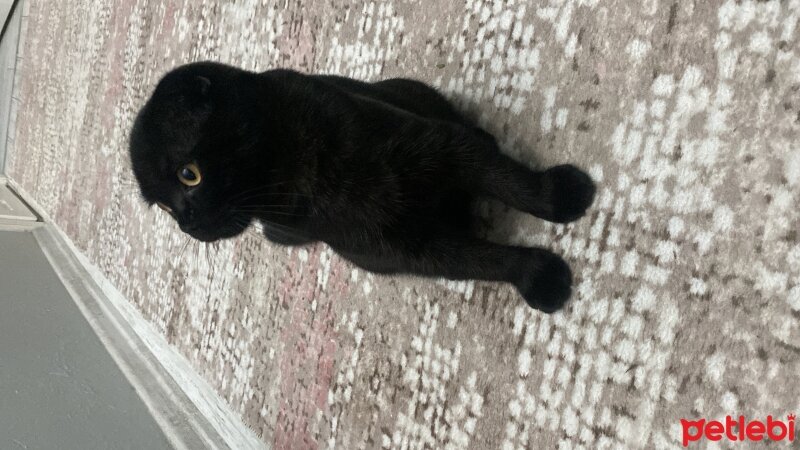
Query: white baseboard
x=186, y=407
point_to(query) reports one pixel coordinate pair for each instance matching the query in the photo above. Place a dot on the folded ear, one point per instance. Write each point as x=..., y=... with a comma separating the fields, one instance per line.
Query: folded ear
x=195, y=93
x=201, y=85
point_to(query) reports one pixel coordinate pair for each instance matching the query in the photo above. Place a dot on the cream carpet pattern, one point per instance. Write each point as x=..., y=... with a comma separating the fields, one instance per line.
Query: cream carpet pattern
x=687, y=267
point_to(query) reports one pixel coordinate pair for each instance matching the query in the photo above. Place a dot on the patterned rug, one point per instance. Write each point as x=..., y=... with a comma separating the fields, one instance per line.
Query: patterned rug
x=687, y=268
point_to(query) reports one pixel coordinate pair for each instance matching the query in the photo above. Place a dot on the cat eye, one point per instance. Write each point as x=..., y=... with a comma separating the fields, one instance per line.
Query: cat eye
x=190, y=175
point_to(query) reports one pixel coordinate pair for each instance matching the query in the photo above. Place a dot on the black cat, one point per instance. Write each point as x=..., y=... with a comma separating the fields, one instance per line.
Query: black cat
x=382, y=172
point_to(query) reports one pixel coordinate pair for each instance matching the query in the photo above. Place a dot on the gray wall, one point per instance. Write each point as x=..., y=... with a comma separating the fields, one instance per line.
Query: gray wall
x=59, y=388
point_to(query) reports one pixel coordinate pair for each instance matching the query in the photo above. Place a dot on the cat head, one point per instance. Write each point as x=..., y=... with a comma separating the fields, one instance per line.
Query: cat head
x=188, y=147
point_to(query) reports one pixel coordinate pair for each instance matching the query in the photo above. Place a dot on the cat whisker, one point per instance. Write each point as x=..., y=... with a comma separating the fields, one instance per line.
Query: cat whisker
x=266, y=211
x=193, y=245
x=210, y=259
x=245, y=225
x=278, y=226
x=255, y=234
x=249, y=232
x=204, y=251
x=284, y=232
x=261, y=187
x=183, y=248
x=216, y=247
x=240, y=226
x=196, y=247
x=268, y=195
x=257, y=189
x=250, y=207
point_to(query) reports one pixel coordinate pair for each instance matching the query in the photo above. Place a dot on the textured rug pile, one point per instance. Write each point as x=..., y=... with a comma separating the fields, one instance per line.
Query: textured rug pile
x=687, y=295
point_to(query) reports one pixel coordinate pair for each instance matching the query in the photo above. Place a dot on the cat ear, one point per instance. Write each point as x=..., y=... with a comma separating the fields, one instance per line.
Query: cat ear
x=201, y=85
x=195, y=93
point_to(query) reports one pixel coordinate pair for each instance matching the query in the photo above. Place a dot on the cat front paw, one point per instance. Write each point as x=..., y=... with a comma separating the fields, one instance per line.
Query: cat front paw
x=568, y=193
x=548, y=285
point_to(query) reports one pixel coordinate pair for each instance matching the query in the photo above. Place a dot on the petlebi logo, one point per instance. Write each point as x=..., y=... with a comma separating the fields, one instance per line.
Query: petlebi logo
x=739, y=430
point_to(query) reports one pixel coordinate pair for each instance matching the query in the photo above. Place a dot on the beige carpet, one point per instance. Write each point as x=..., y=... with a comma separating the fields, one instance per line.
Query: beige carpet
x=687, y=298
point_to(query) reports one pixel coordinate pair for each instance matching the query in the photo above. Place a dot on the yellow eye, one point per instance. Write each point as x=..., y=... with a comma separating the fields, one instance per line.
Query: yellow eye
x=164, y=207
x=190, y=175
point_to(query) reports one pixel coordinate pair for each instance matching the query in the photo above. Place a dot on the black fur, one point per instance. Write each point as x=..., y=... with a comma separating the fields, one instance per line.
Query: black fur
x=382, y=172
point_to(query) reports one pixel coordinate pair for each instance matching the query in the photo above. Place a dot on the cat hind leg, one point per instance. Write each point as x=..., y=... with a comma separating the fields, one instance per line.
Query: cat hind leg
x=542, y=278
x=559, y=194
